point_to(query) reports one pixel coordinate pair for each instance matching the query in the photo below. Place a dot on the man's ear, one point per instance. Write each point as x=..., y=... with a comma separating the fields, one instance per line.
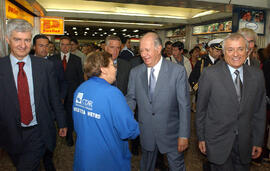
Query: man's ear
x=7, y=39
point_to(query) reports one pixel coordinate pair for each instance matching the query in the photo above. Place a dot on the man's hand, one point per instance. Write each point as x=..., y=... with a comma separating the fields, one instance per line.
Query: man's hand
x=202, y=147
x=182, y=144
x=256, y=152
x=62, y=132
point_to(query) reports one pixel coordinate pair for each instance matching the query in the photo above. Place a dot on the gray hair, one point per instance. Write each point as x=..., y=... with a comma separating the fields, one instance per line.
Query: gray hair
x=247, y=32
x=234, y=36
x=18, y=25
x=112, y=37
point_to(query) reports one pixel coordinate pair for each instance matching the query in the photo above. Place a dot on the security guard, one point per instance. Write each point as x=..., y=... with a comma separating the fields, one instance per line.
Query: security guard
x=213, y=56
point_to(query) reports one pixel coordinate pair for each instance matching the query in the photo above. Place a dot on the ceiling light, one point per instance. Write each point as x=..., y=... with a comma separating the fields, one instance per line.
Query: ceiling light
x=115, y=13
x=101, y=34
x=124, y=34
x=204, y=13
x=65, y=31
x=114, y=33
x=87, y=28
x=135, y=31
x=95, y=32
x=75, y=32
x=124, y=30
x=104, y=33
x=112, y=29
x=100, y=29
x=74, y=28
x=113, y=22
x=85, y=32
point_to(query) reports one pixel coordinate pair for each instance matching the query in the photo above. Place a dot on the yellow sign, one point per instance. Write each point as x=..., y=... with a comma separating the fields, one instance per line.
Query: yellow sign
x=12, y=11
x=52, y=25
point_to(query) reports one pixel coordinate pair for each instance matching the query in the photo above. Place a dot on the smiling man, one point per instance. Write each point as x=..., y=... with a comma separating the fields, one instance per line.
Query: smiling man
x=28, y=95
x=160, y=90
x=230, y=117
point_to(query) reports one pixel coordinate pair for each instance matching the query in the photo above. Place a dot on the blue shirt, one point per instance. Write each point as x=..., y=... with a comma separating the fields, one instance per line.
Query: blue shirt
x=232, y=70
x=28, y=70
x=103, y=122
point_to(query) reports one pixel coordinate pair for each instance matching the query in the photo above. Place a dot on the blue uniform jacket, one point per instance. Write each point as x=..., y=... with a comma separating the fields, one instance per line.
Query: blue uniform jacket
x=103, y=122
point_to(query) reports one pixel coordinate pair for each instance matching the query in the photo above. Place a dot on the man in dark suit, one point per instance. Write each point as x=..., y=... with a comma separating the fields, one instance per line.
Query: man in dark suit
x=73, y=75
x=231, y=109
x=41, y=48
x=125, y=52
x=28, y=96
x=215, y=52
x=160, y=90
x=112, y=46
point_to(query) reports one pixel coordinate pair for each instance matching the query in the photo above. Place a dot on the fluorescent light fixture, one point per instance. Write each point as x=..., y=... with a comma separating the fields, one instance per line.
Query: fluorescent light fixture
x=87, y=28
x=93, y=34
x=124, y=30
x=100, y=29
x=74, y=28
x=112, y=22
x=124, y=34
x=135, y=31
x=105, y=33
x=85, y=32
x=114, y=33
x=115, y=13
x=112, y=29
x=204, y=13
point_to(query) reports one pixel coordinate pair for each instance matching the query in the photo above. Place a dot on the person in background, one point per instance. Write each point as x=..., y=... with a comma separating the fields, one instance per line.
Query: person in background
x=28, y=92
x=102, y=119
x=113, y=44
x=251, y=37
x=213, y=56
x=85, y=49
x=41, y=48
x=52, y=49
x=125, y=52
x=231, y=110
x=102, y=46
x=167, y=50
x=74, y=49
x=179, y=58
x=72, y=65
x=194, y=55
x=160, y=90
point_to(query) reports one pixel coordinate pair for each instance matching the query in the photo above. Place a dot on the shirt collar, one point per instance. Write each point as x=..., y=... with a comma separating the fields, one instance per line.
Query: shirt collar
x=14, y=60
x=212, y=59
x=233, y=69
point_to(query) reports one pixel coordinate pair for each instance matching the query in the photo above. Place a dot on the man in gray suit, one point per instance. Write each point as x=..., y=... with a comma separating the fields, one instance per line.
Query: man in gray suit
x=230, y=117
x=160, y=90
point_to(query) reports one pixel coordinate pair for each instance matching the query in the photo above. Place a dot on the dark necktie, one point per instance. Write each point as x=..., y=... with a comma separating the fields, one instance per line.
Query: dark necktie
x=246, y=63
x=23, y=95
x=152, y=84
x=64, y=62
x=238, y=85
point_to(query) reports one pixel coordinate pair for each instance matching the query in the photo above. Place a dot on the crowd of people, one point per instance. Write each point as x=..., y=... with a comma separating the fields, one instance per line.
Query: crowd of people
x=110, y=95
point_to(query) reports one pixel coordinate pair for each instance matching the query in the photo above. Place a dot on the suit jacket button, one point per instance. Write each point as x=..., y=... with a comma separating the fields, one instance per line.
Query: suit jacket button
x=153, y=114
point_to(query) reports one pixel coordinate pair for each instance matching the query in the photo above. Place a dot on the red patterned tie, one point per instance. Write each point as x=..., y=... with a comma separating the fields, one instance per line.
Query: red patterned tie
x=23, y=95
x=64, y=62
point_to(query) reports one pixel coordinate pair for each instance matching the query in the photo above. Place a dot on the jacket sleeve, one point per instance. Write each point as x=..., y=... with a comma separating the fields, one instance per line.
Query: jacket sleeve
x=123, y=119
x=130, y=97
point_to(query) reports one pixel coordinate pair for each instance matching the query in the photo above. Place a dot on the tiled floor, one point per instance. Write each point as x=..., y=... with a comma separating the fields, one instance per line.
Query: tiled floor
x=63, y=158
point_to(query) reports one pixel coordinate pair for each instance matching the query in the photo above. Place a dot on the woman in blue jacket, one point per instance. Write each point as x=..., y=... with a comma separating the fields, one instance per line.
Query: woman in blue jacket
x=102, y=119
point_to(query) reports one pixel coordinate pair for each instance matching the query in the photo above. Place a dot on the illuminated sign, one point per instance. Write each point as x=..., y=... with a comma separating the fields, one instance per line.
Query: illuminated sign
x=52, y=25
x=12, y=11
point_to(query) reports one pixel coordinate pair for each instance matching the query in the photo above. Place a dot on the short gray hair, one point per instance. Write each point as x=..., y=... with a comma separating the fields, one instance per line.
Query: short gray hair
x=247, y=32
x=18, y=25
x=234, y=36
x=112, y=37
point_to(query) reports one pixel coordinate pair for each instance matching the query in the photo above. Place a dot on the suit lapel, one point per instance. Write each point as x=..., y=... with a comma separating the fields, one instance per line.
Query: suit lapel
x=11, y=89
x=247, y=79
x=162, y=77
x=144, y=80
x=37, y=80
x=228, y=82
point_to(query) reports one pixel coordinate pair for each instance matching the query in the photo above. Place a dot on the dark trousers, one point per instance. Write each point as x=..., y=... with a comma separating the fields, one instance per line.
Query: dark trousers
x=233, y=163
x=68, y=108
x=48, y=160
x=175, y=160
x=33, y=150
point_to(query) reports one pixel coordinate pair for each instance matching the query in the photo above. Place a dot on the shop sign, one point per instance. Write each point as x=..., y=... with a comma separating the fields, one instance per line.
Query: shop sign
x=52, y=25
x=12, y=11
